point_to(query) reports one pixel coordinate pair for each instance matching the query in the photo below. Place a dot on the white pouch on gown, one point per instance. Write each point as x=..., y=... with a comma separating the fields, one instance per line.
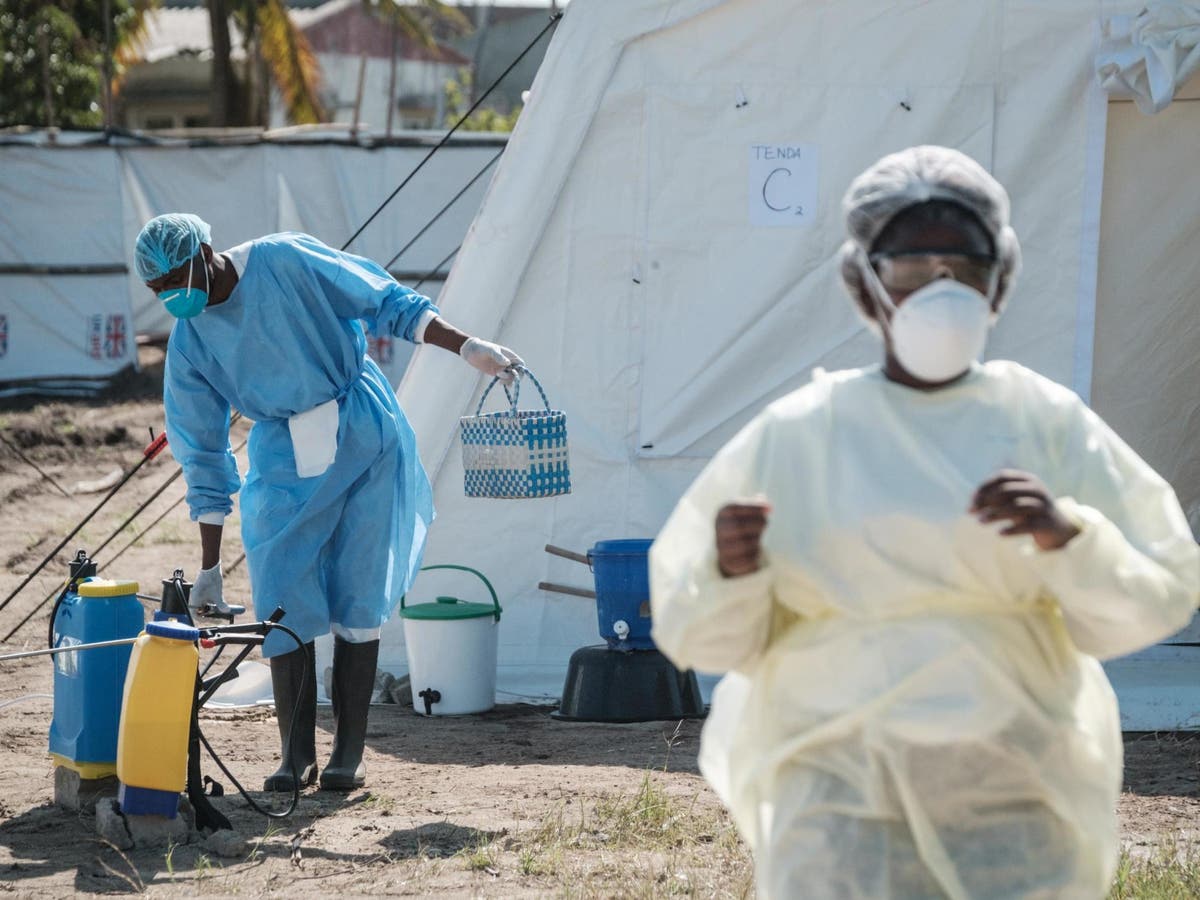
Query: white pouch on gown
x=314, y=438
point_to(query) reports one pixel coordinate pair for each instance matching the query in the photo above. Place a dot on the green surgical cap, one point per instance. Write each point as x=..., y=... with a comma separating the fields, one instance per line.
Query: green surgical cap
x=167, y=242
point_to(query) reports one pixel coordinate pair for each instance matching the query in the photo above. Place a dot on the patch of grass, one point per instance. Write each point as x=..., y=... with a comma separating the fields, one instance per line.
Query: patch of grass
x=256, y=853
x=1172, y=873
x=204, y=866
x=534, y=862
x=480, y=858
x=646, y=843
x=379, y=803
x=133, y=879
x=649, y=819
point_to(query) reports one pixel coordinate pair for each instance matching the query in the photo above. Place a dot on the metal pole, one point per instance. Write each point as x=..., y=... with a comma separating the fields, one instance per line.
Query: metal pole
x=358, y=96
x=117, y=643
x=106, y=68
x=392, y=77
x=47, y=89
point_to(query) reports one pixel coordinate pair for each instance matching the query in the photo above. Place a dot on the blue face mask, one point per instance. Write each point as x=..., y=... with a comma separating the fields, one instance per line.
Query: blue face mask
x=185, y=303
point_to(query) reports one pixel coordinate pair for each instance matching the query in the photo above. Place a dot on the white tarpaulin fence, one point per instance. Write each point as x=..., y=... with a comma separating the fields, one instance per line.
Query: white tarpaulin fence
x=82, y=207
x=65, y=318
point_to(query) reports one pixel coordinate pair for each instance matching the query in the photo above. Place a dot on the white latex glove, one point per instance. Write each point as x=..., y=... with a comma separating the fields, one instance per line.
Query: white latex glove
x=491, y=359
x=207, y=591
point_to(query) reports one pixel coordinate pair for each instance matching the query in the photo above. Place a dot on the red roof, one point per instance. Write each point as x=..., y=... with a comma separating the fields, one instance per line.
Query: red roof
x=352, y=30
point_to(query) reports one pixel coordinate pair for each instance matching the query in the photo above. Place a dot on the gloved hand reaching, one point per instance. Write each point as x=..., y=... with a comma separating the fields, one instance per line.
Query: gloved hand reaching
x=207, y=591
x=491, y=359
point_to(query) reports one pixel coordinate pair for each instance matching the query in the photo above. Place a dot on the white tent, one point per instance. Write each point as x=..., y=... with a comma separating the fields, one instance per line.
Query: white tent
x=658, y=244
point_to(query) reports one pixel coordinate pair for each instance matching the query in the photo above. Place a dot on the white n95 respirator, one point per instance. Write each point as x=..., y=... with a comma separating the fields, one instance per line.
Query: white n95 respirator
x=938, y=330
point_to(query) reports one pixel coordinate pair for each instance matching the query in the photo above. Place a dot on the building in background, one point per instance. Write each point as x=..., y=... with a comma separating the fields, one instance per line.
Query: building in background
x=171, y=87
x=500, y=32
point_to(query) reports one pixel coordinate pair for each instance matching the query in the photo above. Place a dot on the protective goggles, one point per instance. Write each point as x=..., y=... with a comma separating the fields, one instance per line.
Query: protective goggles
x=903, y=273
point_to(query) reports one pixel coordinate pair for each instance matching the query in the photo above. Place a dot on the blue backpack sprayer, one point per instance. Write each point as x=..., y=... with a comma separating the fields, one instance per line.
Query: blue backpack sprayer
x=126, y=697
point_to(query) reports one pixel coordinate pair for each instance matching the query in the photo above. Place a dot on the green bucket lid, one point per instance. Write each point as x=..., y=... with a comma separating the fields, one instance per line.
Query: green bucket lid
x=450, y=608
x=447, y=608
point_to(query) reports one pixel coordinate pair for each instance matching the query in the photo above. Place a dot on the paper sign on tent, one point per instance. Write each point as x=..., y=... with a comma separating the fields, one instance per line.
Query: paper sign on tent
x=782, y=188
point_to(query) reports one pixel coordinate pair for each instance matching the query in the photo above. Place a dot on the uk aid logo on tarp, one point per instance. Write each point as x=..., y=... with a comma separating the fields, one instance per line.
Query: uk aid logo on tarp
x=114, y=337
x=106, y=337
x=95, y=337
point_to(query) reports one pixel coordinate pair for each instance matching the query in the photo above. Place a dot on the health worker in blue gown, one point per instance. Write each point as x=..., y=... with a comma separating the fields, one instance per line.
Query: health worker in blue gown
x=335, y=506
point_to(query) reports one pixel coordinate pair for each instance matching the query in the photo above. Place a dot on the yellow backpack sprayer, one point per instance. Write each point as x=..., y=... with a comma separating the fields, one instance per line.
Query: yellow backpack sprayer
x=127, y=694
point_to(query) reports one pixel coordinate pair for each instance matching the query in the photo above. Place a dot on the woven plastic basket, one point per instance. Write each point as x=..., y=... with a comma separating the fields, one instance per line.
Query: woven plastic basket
x=515, y=454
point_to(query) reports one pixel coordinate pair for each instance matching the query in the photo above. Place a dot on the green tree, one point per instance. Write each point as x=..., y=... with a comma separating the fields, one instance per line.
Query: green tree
x=458, y=93
x=52, y=56
x=278, y=53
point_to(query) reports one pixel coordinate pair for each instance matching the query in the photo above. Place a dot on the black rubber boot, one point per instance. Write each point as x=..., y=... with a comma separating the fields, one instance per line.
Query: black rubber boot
x=294, y=681
x=353, y=684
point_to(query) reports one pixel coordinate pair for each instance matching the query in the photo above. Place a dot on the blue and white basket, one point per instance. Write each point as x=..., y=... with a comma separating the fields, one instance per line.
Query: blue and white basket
x=515, y=454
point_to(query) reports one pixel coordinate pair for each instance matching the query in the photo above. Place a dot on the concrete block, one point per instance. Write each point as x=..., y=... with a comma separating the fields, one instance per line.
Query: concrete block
x=127, y=832
x=74, y=792
x=396, y=690
x=110, y=825
x=227, y=844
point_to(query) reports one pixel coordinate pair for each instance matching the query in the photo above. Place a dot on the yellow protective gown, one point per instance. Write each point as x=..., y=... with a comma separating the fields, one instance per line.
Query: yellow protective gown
x=914, y=706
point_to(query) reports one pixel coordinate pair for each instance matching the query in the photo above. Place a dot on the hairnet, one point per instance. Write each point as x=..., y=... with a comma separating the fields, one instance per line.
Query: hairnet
x=167, y=242
x=917, y=175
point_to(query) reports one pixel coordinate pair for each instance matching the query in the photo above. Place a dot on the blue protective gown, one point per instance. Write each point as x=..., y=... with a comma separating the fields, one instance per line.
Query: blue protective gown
x=342, y=547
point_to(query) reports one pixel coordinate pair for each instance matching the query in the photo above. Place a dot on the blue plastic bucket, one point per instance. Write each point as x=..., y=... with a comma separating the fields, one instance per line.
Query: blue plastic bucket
x=622, y=573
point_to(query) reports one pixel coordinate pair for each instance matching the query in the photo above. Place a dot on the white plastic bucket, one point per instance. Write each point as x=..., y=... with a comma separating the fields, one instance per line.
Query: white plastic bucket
x=455, y=662
x=451, y=649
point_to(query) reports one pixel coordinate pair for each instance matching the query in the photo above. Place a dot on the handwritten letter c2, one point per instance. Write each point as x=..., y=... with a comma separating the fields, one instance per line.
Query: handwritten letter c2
x=767, y=185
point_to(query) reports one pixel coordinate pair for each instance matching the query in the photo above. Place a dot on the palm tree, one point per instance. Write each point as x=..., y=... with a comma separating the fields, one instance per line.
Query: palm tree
x=278, y=52
x=122, y=42
x=221, y=83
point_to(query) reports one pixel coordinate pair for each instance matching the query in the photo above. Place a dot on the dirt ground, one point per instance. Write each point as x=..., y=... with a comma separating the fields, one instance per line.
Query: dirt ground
x=510, y=803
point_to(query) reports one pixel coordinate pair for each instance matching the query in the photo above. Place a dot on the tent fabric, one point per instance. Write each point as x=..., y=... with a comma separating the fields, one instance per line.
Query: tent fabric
x=1149, y=56
x=1147, y=331
x=623, y=248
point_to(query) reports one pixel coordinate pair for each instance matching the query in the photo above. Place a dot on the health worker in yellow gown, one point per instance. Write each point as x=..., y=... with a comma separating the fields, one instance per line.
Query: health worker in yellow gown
x=910, y=572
